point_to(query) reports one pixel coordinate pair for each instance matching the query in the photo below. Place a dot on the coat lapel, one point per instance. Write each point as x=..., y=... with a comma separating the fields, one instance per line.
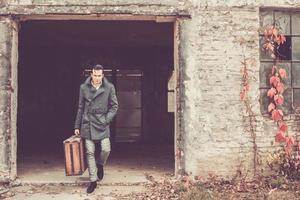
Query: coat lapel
x=99, y=91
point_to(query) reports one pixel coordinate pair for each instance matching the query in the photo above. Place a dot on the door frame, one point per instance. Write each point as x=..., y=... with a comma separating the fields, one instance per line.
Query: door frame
x=178, y=115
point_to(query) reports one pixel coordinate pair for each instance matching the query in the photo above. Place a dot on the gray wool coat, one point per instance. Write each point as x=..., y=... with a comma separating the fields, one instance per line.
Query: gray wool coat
x=96, y=109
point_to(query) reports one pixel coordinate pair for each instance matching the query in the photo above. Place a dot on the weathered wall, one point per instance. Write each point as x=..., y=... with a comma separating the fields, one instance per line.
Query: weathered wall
x=216, y=131
x=217, y=137
x=8, y=87
x=155, y=7
x=216, y=141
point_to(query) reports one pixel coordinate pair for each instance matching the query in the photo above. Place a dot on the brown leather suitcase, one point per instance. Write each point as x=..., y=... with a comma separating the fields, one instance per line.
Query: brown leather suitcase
x=75, y=162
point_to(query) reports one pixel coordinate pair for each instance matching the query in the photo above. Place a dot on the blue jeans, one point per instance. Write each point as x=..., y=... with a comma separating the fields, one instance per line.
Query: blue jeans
x=98, y=157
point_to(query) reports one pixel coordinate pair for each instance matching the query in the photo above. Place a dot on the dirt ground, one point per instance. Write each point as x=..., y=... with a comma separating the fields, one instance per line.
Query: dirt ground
x=74, y=192
x=167, y=189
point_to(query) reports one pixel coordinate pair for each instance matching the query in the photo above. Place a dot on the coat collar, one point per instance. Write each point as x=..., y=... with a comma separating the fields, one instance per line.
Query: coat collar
x=101, y=88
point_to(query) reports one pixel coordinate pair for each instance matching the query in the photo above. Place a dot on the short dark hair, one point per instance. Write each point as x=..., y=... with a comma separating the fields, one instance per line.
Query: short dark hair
x=98, y=67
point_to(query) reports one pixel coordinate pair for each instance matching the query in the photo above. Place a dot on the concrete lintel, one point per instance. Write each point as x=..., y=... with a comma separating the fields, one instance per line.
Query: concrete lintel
x=157, y=10
x=126, y=17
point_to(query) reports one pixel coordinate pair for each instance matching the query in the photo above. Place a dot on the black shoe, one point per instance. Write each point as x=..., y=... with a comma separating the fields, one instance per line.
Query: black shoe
x=100, y=172
x=92, y=186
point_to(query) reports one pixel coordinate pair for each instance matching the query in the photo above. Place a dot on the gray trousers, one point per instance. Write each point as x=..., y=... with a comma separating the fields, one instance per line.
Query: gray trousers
x=97, y=152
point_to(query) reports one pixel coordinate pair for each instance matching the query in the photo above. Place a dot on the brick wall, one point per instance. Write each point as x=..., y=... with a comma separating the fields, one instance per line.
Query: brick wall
x=216, y=131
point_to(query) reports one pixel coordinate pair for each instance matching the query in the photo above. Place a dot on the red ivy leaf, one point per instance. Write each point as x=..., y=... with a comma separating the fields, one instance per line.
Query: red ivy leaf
x=246, y=87
x=278, y=98
x=282, y=73
x=280, y=137
x=288, y=150
x=273, y=69
x=281, y=39
x=273, y=56
x=270, y=30
x=242, y=95
x=283, y=127
x=271, y=92
x=265, y=33
x=275, y=31
x=268, y=46
x=274, y=80
x=277, y=115
x=271, y=107
x=290, y=141
x=280, y=88
x=243, y=70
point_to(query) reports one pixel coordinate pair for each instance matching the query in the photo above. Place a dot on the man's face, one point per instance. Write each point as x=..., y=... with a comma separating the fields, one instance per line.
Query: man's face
x=97, y=76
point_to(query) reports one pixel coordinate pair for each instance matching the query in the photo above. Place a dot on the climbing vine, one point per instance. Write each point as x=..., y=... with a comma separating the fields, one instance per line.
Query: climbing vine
x=250, y=118
x=272, y=41
x=288, y=161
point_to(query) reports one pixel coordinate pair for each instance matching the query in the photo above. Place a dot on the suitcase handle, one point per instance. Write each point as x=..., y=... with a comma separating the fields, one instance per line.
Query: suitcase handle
x=72, y=138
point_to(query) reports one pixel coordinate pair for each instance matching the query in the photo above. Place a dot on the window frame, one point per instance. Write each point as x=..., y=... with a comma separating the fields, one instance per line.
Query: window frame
x=290, y=108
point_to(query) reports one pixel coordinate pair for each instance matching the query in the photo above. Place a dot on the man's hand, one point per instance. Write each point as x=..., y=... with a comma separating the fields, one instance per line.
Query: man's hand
x=76, y=132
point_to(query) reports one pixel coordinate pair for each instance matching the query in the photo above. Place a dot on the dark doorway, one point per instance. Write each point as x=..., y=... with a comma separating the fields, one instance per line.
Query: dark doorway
x=54, y=58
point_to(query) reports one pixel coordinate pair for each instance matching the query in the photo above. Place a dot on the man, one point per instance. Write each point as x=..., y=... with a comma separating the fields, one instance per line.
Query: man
x=96, y=108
